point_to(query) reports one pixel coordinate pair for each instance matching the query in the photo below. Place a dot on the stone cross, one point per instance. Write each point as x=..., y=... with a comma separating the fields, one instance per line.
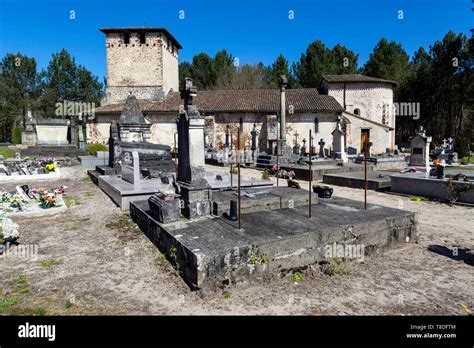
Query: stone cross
x=321, y=144
x=296, y=137
x=303, y=148
x=451, y=144
x=254, y=137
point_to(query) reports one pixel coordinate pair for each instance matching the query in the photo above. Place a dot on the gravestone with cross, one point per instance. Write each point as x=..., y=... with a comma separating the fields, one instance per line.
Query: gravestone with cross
x=321, y=144
x=195, y=190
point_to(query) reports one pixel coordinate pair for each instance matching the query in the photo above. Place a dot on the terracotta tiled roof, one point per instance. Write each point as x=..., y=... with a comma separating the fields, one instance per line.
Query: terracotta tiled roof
x=355, y=78
x=263, y=100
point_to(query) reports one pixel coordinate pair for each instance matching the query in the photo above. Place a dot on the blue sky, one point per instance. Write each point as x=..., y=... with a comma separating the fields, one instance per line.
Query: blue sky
x=253, y=31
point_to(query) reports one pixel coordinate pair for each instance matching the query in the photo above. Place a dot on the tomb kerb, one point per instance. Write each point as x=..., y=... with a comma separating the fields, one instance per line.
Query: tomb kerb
x=195, y=190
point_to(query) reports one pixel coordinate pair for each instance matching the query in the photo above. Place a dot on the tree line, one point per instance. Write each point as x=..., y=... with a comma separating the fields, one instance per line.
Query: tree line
x=440, y=79
x=23, y=88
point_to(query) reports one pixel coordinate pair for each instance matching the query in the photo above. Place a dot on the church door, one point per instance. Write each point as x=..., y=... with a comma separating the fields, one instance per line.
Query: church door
x=364, y=138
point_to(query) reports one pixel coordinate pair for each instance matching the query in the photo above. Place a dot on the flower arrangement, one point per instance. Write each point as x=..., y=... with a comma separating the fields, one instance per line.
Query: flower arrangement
x=45, y=198
x=49, y=164
x=14, y=200
x=51, y=167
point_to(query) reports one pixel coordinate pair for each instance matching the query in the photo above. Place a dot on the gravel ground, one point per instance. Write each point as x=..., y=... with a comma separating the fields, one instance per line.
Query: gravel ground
x=93, y=260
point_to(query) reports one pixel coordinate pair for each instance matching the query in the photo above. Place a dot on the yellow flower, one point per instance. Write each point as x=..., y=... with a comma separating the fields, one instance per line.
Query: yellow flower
x=51, y=167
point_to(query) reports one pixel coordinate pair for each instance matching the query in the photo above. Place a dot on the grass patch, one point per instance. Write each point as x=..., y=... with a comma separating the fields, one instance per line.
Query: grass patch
x=50, y=263
x=89, y=194
x=348, y=304
x=227, y=294
x=6, y=152
x=297, y=277
x=467, y=160
x=124, y=225
x=70, y=201
x=73, y=228
x=335, y=267
x=23, y=311
x=160, y=258
x=68, y=305
x=419, y=199
x=20, y=285
x=6, y=303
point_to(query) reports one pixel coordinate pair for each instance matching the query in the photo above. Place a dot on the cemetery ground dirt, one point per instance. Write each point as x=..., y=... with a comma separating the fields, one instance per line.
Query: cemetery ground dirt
x=100, y=266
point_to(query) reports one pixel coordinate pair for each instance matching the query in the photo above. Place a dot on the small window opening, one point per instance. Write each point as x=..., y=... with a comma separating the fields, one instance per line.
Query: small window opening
x=126, y=38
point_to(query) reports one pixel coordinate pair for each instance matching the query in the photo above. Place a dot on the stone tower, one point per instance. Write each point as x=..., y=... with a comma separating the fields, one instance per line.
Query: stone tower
x=142, y=61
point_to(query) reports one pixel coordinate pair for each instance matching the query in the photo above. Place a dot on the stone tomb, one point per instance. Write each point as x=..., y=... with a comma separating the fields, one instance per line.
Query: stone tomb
x=276, y=234
x=431, y=187
x=376, y=180
x=213, y=251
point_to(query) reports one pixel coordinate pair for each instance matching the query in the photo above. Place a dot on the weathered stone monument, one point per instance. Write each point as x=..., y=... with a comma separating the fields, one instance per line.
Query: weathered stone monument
x=195, y=190
x=132, y=134
x=338, y=141
x=420, y=149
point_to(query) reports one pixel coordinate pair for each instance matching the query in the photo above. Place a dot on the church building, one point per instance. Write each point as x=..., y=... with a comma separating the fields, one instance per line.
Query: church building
x=143, y=61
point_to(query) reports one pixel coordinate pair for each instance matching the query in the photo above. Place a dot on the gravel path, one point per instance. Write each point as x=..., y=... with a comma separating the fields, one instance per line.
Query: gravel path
x=93, y=260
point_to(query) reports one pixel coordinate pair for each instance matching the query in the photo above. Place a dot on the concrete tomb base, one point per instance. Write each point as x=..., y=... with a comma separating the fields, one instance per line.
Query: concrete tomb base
x=357, y=180
x=212, y=251
x=418, y=184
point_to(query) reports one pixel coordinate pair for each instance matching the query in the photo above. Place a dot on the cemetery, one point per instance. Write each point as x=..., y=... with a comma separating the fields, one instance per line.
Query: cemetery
x=210, y=251
x=211, y=200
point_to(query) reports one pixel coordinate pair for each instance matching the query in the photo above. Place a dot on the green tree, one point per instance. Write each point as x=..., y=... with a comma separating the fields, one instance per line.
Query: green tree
x=203, y=71
x=442, y=81
x=278, y=68
x=185, y=70
x=344, y=61
x=388, y=61
x=225, y=69
x=19, y=90
x=313, y=64
x=63, y=80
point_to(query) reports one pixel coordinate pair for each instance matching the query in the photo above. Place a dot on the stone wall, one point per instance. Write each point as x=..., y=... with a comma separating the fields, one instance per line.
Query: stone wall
x=148, y=70
x=369, y=98
x=379, y=136
x=164, y=127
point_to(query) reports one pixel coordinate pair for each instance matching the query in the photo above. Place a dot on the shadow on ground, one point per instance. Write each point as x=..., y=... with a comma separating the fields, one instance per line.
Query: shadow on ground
x=459, y=254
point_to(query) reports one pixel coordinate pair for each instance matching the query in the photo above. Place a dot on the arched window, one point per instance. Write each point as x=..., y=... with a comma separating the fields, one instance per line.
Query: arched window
x=357, y=112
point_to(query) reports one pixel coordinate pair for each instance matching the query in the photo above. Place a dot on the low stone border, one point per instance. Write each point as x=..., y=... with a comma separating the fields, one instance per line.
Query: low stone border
x=16, y=178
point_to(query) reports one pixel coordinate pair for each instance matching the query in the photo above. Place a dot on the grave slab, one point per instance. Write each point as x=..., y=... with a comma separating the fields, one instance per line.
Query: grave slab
x=357, y=180
x=418, y=184
x=212, y=251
